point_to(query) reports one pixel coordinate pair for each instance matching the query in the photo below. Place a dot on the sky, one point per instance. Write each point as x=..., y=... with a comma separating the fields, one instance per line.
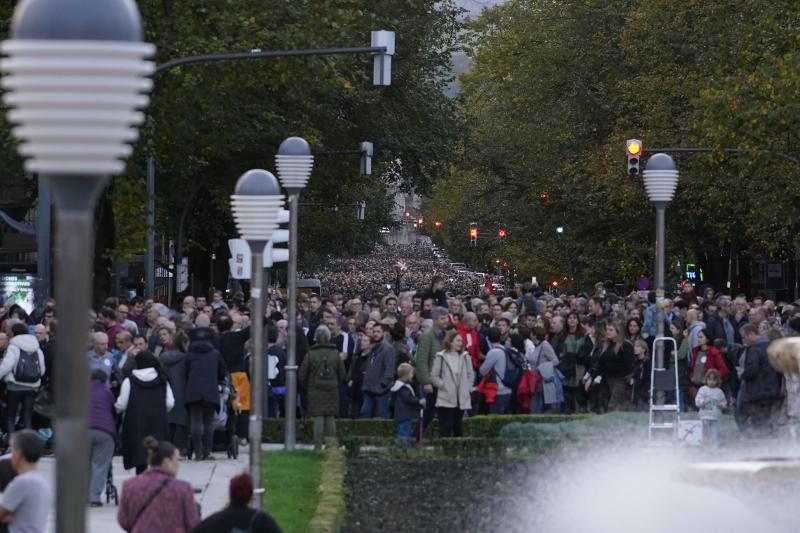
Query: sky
x=475, y=6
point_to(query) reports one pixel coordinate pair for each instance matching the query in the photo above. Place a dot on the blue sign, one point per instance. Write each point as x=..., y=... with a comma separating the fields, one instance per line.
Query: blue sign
x=642, y=283
x=773, y=275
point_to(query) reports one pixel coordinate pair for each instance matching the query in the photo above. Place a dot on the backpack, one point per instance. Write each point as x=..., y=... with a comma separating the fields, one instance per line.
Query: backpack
x=326, y=376
x=515, y=365
x=28, y=369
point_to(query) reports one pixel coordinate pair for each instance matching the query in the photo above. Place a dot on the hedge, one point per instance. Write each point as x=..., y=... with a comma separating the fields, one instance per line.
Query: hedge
x=329, y=516
x=451, y=447
x=475, y=426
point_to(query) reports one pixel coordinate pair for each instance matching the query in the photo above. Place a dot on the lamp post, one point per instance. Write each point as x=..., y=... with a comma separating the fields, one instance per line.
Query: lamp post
x=294, y=163
x=660, y=182
x=256, y=201
x=75, y=74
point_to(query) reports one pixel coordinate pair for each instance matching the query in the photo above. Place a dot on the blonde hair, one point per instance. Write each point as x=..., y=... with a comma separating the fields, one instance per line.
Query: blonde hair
x=404, y=371
x=784, y=355
x=640, y=342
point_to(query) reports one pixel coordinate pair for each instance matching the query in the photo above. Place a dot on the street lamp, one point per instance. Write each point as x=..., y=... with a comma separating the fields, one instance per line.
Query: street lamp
x=660, y=182
x=256, y=201
x=294, y=163
x=75, y=74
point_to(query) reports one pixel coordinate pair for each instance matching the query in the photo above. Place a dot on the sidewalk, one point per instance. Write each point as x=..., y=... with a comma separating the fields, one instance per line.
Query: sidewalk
x=211, y=477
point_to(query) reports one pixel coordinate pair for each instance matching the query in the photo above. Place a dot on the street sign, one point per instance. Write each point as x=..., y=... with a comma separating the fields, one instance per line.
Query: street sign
x=642, y=283
x=773, y=275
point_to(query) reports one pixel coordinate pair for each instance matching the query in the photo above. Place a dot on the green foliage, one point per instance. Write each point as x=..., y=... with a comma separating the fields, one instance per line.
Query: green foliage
x=475, y=426
x=292, y=481
x=554, y=90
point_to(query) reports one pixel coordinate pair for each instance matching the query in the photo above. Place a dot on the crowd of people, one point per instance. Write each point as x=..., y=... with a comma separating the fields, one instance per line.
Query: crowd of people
x=380, y=272
x=538, y=352
x=163, y=380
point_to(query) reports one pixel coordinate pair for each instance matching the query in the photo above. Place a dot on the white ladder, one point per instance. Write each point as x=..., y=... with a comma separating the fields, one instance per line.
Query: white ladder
x=663, y=380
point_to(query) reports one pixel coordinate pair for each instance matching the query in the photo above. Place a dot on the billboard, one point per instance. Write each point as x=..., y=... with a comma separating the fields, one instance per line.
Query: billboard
x=18, y=289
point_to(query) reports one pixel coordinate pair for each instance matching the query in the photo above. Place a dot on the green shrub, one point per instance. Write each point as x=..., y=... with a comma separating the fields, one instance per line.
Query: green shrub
x=476, y=426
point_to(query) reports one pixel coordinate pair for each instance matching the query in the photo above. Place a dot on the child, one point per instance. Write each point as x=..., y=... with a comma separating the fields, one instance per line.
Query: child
x=406, y=404
x=711, y=401
x=640, y=378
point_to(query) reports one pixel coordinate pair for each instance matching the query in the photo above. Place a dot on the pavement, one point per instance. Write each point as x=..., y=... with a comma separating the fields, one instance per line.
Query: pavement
x=211, y=478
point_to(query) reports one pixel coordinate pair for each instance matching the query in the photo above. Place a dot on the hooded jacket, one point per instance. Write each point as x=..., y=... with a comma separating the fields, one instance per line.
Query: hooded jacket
x=27, y=343
x=406, y=404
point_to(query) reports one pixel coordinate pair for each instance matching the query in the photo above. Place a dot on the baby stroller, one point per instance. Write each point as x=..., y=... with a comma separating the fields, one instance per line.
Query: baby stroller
x=225, y=422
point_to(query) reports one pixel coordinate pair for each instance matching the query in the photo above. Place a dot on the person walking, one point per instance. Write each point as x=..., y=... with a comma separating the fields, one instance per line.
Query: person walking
x=157, y=502
x=452, y=374
x=320, y=375
x=145, y=397
x=174, y=363
x=238, y=516
x=205, y=371
x=102, y=434
x=496, y=362
x=22, y=369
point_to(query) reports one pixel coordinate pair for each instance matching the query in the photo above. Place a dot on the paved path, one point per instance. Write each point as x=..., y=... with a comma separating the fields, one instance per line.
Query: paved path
x=211, y=477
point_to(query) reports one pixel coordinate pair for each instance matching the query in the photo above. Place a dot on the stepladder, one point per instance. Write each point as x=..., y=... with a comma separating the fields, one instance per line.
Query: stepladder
x=664, y=394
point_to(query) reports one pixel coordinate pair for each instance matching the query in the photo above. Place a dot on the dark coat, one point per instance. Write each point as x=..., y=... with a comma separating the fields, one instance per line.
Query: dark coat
x=145, y=415
x=205, y=370
x=761, y=381
x=231, y=346
x=379, y=376
x=406, y=404
x=321, y=402
x=174, y=365
x=238, y=518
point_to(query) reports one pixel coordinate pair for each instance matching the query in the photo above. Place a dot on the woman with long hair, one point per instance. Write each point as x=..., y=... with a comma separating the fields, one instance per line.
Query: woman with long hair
x=174, y=362
x=570, y=342
x=614, y=366
x=453, y=376
x=705, y=356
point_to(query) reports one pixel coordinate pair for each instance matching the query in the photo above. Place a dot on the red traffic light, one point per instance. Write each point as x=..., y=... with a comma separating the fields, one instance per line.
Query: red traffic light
x=544, y=196
x=501, y=233
x=473, y=232
x=421, y=221
x=554, y=283
x=438, y=224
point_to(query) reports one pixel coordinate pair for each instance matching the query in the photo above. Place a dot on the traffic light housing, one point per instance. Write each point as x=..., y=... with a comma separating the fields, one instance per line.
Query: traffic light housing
x=544, y=196
x=473, y=232
x=501, y=233
x=633, y=149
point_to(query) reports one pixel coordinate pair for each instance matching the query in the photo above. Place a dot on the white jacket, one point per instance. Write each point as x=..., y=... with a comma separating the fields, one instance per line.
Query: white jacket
x=27, y=343
x=143, y=374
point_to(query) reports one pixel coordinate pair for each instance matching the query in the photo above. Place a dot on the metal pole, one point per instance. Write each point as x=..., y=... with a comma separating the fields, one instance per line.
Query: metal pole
x=256, y=367
x=149, y=257
x=291, y=359
x=43, y=240
x=660, y=232
x=75, y=199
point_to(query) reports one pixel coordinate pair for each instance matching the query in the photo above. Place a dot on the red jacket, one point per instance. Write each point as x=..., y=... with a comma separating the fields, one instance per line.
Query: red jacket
x=471, y=343
x=527, y=388
x=714, y=360
x=488, y=387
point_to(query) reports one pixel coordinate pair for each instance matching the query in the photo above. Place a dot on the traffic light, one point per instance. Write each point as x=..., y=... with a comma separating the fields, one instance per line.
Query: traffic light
x=560, y=230
x=421, y=221
x=501, y=233
x=544, y=196
x=633, y=149
x=438, y=224
x=554, y=283
x=473, y=232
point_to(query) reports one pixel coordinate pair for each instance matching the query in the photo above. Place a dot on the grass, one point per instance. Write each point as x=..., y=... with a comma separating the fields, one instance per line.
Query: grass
x=292, y=481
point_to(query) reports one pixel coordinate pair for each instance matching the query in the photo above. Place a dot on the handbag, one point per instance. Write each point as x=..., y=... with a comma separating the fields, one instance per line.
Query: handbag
x=44, y=403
